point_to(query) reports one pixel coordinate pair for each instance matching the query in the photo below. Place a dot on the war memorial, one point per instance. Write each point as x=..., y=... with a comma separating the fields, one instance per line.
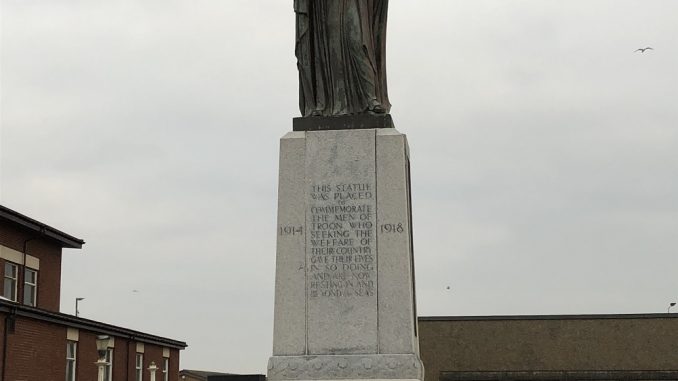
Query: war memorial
x=344, y=290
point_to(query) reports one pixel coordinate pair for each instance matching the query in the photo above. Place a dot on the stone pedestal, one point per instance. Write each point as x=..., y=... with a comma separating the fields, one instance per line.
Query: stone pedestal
x=344, y=298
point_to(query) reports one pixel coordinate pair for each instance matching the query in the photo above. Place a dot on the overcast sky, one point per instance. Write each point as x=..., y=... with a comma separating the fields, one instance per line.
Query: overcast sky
x=544, y=156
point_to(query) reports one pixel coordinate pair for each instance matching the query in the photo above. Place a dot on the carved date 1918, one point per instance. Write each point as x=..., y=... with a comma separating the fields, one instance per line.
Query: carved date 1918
x=391, y=228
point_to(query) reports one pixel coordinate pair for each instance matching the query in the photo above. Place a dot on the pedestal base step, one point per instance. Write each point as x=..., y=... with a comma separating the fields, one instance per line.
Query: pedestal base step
x=342, y=122
x=346, y=367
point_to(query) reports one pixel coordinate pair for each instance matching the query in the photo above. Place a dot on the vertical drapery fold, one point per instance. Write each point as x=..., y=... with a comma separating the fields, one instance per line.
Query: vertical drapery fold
x=341, y=51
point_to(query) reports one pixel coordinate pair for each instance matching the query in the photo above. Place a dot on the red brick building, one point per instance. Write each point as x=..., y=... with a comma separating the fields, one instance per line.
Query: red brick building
x=37, y=342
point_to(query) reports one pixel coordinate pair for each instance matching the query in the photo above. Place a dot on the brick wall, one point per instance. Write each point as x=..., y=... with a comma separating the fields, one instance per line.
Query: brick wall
x=554, y=344
x=2, y=336
x=87, y=356
x=174, y=365
x=152, y=354
x=37, y=352
x=27, y=358
x=12, y=237
x=49, y=254
x=49, y=275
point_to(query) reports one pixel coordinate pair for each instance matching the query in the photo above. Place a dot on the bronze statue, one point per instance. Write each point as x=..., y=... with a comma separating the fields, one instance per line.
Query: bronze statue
x=341, y=56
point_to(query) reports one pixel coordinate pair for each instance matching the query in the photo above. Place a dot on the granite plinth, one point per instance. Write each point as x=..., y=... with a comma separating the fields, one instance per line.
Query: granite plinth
x=340, y=367
x=344, y=298
x=342, y=122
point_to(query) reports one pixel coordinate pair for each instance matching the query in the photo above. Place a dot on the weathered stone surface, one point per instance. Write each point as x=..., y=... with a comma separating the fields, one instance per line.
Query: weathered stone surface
x=397, y=310
x=342, y=367
x=341, y=249
x=289, y=331
x=345, y=306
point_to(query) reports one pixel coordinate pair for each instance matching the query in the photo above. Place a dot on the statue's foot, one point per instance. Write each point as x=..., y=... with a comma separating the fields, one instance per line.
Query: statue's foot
x=376, y=107
x=317, y=113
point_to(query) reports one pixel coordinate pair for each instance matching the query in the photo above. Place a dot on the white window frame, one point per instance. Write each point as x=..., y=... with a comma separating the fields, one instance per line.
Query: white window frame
x=71, y=361
x=33, y=287
x=13, y=280
x=108, y=370
x=139, y=366
x=165, y=369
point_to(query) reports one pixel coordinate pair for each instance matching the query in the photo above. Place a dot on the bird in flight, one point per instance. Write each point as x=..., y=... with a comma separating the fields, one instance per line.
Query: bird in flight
x=642, y=50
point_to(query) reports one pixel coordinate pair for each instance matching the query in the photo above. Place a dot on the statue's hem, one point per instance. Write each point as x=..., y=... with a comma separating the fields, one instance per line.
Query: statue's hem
x=342, y=122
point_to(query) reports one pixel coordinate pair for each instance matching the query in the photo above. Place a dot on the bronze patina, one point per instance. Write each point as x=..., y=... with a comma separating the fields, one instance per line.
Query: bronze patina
x=341, y=56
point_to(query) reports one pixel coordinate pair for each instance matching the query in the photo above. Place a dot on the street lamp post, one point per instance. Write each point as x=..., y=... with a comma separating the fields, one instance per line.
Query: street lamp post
x=76, y=306
x=102, y=348
x=152, y=368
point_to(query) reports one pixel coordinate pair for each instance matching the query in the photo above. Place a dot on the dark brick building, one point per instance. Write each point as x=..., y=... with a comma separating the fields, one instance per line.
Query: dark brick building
x=41, y=344
x=569, y=347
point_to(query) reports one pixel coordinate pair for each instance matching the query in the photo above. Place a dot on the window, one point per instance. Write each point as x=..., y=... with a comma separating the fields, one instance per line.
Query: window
x=9, y=291
x=165, y=369
x=108, y=371
x=71, y=350
x=30, y=287
x=140, y=367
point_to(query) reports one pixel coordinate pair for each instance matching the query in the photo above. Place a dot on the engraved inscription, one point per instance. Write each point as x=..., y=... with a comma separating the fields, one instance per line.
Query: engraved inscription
x=391, y=228
x=342, y=237
x=290, y=230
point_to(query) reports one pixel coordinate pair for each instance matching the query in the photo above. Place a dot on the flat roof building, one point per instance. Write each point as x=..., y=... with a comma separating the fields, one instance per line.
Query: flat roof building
x=551, y=347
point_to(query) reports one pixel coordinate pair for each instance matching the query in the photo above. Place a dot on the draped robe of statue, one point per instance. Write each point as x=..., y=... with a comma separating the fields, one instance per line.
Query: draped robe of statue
x=341, y=52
